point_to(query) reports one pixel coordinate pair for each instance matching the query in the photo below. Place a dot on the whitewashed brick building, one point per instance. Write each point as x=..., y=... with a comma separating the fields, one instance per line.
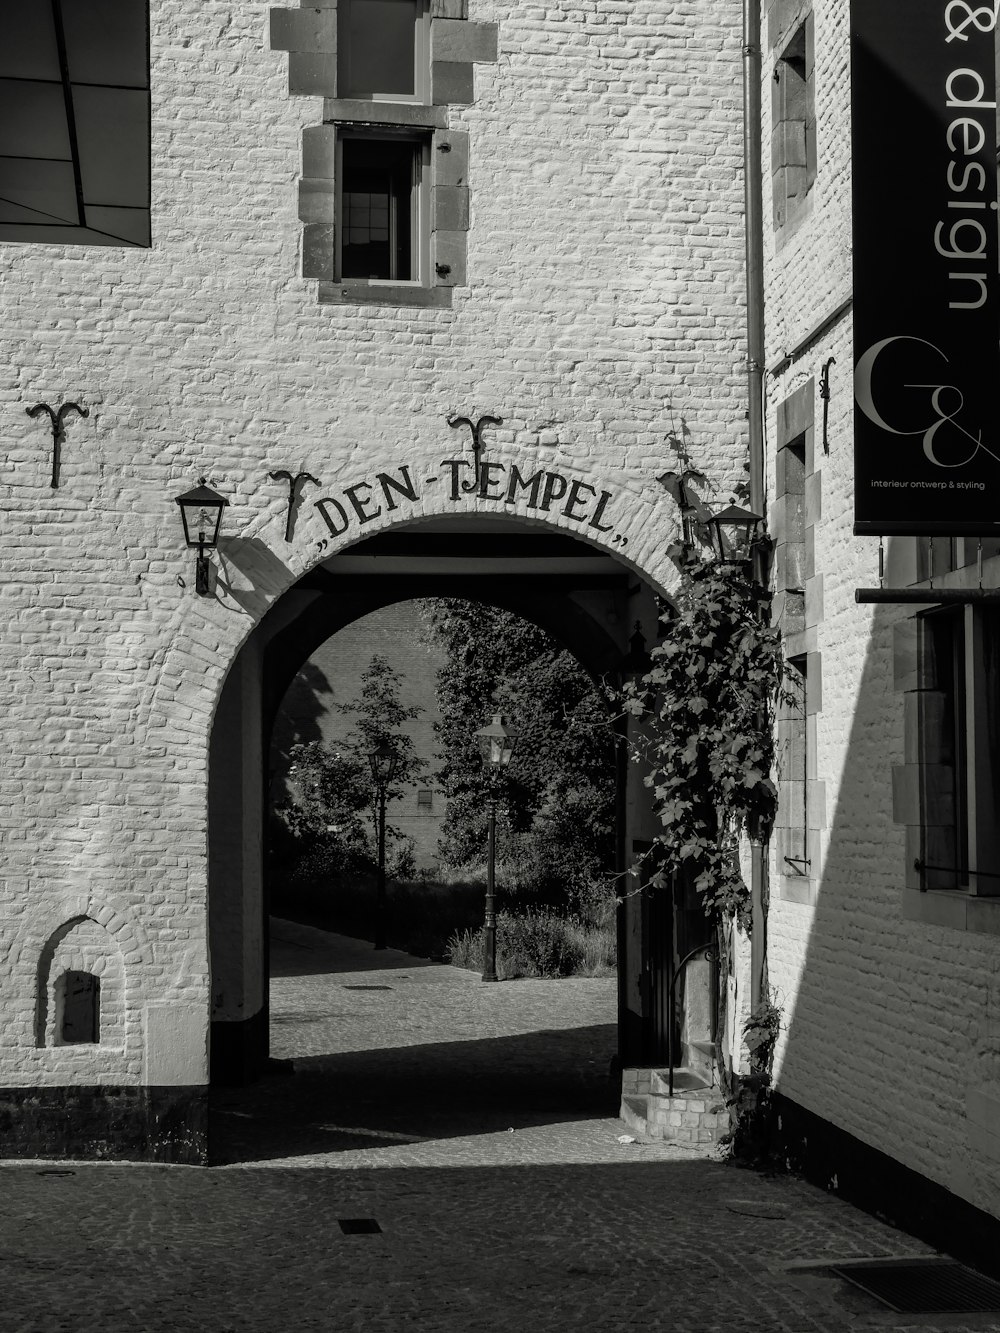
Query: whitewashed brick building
x=536, y=215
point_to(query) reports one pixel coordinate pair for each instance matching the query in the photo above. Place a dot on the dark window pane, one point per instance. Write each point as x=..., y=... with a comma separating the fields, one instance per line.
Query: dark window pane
x=376, y=192
x=28, y=49
x=34, y=190
x=377, y=48
x=81, y=1003
x=106, y=42
x=33, y=120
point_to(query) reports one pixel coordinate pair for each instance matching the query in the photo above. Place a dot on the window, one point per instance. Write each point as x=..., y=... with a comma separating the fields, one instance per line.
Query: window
x=425, y=800
x=382, y=208
x=78, y=1004
x=792, y=745
x=956, y=717
x=793, y=134
x=383, y=50
x=74, y=123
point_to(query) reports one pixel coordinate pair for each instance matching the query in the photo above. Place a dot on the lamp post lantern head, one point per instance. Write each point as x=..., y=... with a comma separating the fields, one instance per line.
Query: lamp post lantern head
x=201, y=513
x=496, y=744
x=384, y=760
x=733, y=531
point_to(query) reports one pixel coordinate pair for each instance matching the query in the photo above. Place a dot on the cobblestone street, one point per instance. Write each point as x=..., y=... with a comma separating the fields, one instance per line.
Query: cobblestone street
x=475, y=1126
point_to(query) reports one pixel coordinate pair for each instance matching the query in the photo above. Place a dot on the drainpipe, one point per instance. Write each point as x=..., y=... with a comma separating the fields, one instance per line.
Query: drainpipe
x=754, y=228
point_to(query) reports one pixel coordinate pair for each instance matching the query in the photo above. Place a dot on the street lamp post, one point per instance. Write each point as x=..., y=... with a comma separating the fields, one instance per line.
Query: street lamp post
x=496, y=745
x=382, y=760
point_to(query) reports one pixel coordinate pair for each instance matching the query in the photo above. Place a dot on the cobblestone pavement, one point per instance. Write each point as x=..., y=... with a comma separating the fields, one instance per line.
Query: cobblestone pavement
x=473, y=1125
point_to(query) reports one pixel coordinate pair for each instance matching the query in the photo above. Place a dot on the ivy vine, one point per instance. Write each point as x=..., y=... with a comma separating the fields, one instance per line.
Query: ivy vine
x=707, y=702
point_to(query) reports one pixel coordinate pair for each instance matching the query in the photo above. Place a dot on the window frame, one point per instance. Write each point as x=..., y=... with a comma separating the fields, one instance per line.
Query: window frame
x=420, y=205
x=963, y=731
x=421, y=94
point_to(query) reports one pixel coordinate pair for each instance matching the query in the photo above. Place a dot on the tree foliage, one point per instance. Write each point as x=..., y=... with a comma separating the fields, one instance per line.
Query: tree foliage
x=379, y=715
x=326, y=793
x=708, y=702
x=330, y=788
x=558, y=794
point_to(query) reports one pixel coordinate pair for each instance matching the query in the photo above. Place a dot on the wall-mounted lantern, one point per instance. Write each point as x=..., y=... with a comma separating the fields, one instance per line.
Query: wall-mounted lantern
x=734, y=533
x=201, y=514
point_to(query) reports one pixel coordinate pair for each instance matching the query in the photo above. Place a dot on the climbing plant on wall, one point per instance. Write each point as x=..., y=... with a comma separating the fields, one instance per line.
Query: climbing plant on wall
x=707, y=706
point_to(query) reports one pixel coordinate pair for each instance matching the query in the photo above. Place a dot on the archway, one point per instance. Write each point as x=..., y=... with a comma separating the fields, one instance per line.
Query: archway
x=586, y=598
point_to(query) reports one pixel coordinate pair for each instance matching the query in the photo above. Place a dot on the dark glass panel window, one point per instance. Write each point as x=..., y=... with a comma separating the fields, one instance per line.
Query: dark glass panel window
x=376, y=225
x=81, y=1008
x=377, y=41
x=74, y=122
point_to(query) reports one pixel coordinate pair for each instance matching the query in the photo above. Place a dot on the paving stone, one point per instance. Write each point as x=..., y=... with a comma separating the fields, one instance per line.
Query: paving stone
x=471, y=1123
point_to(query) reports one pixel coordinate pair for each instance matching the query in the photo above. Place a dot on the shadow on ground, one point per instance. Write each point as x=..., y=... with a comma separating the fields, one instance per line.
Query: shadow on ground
x=408, y=1094
x=301, y=950
x=693, y=1247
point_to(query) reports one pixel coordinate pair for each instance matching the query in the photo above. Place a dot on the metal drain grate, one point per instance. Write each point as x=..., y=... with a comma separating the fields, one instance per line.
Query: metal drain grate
x=924, y=1286
x=358, y=1226
x=367, y=988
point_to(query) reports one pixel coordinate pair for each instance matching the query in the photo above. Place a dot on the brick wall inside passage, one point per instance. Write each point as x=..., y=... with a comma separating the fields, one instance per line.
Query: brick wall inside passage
x=333, y=675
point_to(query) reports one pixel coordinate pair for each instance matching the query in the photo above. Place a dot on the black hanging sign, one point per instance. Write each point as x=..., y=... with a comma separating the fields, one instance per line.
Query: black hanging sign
x=927, y=369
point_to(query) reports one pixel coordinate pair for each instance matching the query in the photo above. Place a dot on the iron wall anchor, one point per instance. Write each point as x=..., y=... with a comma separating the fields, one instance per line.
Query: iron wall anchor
x=57, y=418
x=477, y=445
x=293, y=485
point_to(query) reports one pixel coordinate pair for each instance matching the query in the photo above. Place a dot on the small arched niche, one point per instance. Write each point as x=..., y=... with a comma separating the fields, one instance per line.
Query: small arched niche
x=81, y=988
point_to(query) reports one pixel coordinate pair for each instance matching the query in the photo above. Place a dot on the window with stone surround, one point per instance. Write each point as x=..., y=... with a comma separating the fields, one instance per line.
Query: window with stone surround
x=793, y=118
x=946, y=792
x=379, y=121
x=798, y=610
x=382, y=208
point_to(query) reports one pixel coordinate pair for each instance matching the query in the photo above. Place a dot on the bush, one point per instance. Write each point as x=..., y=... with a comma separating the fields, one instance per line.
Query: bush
x=538, y=944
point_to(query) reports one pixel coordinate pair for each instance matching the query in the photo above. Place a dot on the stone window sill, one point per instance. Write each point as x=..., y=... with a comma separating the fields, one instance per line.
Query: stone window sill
x=356, y=291
x=414, y=115
x=953, y=909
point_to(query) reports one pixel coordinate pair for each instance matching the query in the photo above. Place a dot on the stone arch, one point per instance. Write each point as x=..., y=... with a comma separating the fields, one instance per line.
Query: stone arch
x=255, y=571
x=81, y=946
x=327, y=597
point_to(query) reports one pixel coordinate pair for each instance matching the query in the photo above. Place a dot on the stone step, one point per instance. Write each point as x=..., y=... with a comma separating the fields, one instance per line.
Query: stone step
x=685, y=1080
x=633, y=1113
x=694, y=1117
x=699, y=1056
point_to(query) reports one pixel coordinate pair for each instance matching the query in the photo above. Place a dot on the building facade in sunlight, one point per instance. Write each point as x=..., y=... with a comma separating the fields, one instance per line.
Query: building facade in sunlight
x=428, y=292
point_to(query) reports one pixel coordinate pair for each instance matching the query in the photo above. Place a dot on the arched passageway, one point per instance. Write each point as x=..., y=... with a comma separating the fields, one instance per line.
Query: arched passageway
x=586, y=599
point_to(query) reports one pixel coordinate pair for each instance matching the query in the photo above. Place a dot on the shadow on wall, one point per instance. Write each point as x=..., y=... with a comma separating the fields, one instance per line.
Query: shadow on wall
x=885, y=1032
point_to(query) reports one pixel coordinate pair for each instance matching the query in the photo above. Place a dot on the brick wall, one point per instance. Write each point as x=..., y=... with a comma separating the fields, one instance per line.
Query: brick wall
x=890, y=1024
x=602, y=313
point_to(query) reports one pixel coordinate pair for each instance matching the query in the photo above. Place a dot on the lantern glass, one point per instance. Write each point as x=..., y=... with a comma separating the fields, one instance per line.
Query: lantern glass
x=733, y=531
x=496, y=743
x=383, y=760
x=201, y=514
